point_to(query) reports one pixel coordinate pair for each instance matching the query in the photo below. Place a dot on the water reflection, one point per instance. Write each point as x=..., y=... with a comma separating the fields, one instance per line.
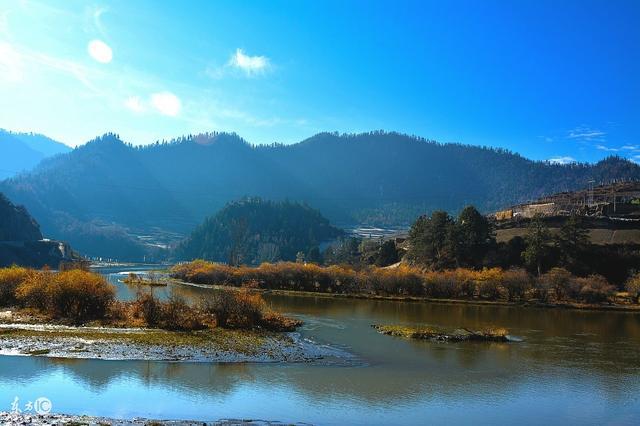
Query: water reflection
x=576, y=366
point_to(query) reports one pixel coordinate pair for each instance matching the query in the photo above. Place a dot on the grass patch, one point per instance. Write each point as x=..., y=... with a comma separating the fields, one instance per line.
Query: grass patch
x=238, y=341
x=492, y=334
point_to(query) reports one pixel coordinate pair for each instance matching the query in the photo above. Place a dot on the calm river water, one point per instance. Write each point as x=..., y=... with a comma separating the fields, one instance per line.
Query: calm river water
x=572, y=367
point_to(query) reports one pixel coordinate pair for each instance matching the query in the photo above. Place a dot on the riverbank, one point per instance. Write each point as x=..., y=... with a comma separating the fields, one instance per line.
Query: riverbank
x=514, y=287
x=15, y=419
x=108, y=343
x=479, y=302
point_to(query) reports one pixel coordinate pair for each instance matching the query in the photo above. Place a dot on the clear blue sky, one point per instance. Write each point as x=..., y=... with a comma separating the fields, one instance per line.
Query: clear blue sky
x=547, y=79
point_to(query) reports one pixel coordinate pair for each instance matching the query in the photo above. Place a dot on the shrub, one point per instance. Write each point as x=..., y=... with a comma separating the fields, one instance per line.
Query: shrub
x=220, y=305
x=10, y=278
x=441, y=284
x=178, y=315
x=248, y=309
x=489, y=283
x=148, y=307
x=244, y=309
x=402, y=281
x=562, y=283
x=517, y=282
x=33, y=291
x=542, y=289
x=633, y=287
x=594, y=289
x=119, y=311
x=277, y=322
x=79, y=295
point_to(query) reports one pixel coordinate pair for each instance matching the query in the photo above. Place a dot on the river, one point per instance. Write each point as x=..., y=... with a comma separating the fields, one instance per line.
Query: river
x=572, y=367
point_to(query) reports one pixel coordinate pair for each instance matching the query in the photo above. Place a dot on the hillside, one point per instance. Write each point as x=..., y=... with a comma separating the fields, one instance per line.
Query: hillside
x=16, y=224
x=252, y=231
x=21, y=242
x=23, y=151
x=107, y=191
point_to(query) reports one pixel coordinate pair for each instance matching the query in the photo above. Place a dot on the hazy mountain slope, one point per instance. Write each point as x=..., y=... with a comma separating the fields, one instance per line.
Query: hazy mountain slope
x=23, y=151
x=16, y=224
x=107, y=188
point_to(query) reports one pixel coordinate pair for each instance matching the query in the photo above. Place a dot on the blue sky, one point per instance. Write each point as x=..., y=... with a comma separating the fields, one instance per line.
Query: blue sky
x=547, y=79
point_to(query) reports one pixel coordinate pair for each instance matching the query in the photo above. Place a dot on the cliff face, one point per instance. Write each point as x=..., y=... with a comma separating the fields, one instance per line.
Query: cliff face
x=16, y=224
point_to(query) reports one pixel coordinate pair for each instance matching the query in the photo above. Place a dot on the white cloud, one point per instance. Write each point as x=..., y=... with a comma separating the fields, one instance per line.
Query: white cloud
x=100, y=51
x=606, y=148
x=251, y=65
x=585, y=133
x=166, y=103
x=562, y=160
x=134, y=103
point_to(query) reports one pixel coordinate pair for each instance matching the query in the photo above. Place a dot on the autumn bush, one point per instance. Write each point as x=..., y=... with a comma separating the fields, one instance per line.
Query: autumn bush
x=401, y=281
x=75, y=294
x=235, y=308
x=516, y=282
x=594, y=289
x=562, y=283
x=633, y=287
x=80, y=295
x=489, y=283
x=10, y=278
x=441, y=284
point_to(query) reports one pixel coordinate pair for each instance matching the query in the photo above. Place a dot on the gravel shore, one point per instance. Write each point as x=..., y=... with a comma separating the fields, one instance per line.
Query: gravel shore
x=15, y=419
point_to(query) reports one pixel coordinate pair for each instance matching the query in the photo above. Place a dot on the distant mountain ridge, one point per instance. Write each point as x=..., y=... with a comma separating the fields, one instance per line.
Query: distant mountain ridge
x=107, y=189
x=22, y=151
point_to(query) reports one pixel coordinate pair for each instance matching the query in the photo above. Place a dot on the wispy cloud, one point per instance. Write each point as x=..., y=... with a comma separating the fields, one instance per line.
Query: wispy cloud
x=587, y=134
x=562, y=160
x=607, y=148
x=135, y=104
x=247, y=65
x=251, y=65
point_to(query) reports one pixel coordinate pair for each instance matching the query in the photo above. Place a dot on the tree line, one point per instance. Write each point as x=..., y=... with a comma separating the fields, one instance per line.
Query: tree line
x=440, y=241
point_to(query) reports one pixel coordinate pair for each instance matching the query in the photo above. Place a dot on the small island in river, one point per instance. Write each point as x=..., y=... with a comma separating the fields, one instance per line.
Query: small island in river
x=458, y=335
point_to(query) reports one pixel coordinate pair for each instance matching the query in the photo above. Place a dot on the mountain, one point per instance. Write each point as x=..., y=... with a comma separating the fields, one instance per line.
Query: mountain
x=252, y=231
x=21, y=241
x=16, y=224
x=23, y=151
x=110, y=193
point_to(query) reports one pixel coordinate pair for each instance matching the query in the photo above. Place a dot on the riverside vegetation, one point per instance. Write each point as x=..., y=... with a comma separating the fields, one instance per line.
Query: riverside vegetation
x=490, y=284
x=81, y=297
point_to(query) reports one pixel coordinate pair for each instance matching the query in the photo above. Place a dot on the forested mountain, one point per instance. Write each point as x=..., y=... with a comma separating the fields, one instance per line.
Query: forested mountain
x=16, y=224
x=252, y=231
x=23, y=151
x=103, y=191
